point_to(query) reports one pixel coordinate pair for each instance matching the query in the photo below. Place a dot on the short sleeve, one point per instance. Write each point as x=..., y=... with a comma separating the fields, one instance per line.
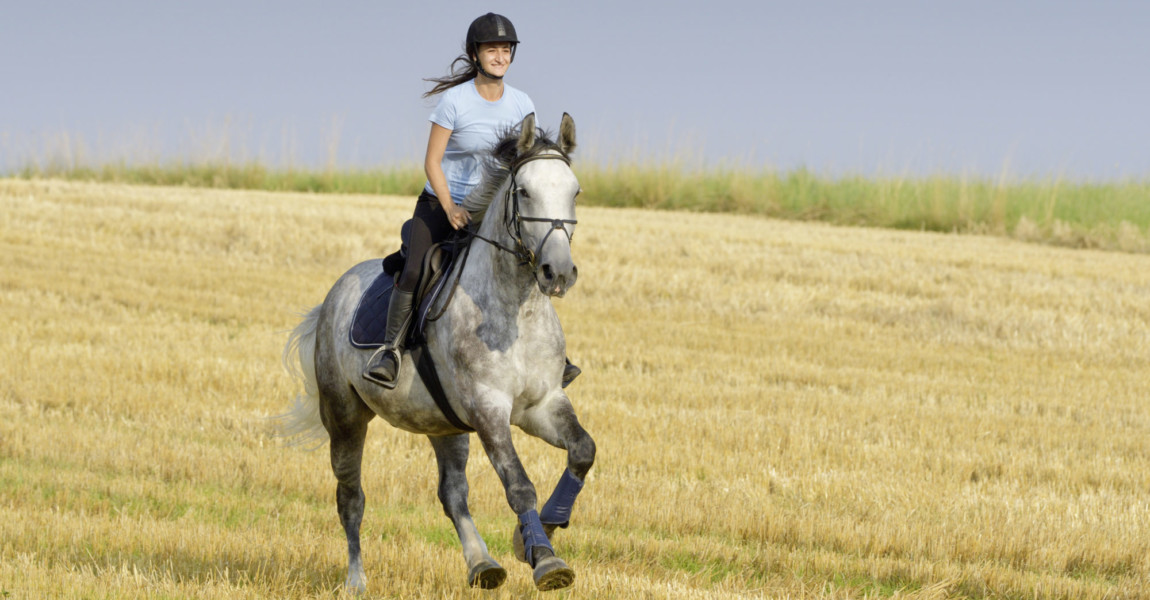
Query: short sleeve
x=445, y=112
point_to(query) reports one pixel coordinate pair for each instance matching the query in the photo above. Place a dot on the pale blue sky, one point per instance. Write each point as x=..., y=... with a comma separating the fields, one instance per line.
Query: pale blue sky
x=1037, y=88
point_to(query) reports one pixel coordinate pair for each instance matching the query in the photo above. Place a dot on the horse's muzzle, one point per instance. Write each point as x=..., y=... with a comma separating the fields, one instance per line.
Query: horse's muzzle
x=555, y=279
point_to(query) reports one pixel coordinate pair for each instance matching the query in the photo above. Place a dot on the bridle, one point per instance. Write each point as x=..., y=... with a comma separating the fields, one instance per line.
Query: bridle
x=513, y=219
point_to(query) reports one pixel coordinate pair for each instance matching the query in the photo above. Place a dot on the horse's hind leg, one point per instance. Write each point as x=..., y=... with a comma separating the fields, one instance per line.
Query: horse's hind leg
x=451, y=455
x=346, y=417
x=555, y=422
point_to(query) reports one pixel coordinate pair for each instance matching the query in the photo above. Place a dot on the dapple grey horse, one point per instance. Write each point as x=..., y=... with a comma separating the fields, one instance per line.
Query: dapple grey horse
x=498, y=348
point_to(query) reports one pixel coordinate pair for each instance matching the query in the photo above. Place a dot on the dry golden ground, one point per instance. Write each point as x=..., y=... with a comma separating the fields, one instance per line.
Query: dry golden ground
x=781, y=409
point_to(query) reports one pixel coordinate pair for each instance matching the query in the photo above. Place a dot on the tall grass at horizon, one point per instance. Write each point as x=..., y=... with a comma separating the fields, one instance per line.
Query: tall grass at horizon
x=1052, y=209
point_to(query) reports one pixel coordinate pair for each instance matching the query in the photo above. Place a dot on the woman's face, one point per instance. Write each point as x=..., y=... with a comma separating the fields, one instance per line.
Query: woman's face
x=495, y=58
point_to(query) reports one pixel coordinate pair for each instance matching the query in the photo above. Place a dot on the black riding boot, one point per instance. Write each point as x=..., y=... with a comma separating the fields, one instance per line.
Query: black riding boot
x=384, y=365
x=570, y=372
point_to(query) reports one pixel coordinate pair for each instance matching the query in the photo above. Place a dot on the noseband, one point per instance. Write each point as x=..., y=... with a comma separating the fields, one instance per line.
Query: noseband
x=514, y=220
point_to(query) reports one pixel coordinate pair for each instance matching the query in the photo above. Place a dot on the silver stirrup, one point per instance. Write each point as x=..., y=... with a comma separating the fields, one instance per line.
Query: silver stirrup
x=398, y=367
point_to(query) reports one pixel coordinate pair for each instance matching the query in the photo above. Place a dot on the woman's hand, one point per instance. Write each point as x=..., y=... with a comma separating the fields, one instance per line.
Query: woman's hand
x=457, y=215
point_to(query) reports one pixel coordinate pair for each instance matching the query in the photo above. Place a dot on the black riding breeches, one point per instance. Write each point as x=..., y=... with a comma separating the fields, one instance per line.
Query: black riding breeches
x=429, y=226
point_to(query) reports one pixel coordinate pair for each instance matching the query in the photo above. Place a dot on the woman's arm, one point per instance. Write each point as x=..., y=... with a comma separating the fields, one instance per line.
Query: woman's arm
x=433, y=166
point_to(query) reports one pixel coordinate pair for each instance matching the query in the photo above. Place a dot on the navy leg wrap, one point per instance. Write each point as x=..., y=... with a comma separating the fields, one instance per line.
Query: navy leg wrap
x=533, y=537
x=557, y=511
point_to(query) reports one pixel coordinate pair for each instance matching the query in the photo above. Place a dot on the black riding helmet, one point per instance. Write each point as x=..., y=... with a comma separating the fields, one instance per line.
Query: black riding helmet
x=488, y=29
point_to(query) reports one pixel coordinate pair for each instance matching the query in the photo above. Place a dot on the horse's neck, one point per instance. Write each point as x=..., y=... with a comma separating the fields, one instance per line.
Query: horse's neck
x=494, y=276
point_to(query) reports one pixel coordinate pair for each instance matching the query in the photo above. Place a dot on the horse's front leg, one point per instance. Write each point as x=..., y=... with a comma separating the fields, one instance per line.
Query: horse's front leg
x=491, y=419
x=451, y=455
x=555, y=422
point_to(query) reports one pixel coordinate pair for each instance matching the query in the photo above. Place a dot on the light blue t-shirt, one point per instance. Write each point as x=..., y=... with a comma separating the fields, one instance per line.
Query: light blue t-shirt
x=475, y=126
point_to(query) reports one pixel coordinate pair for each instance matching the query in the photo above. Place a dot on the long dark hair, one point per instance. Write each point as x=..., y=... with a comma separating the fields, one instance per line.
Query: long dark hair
x=462, y=69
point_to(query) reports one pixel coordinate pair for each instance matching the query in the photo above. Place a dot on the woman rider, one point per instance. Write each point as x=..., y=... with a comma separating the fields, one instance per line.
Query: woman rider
x=476, y=106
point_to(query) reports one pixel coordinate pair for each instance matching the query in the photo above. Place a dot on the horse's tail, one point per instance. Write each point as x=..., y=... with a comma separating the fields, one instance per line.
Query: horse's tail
x=301, y=423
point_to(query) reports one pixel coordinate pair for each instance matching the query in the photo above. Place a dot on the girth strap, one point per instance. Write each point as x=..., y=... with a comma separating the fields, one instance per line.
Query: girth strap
x=426, y=368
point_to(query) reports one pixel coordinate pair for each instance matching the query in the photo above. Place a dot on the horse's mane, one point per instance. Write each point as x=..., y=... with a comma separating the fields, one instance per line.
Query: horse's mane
x=504, y=159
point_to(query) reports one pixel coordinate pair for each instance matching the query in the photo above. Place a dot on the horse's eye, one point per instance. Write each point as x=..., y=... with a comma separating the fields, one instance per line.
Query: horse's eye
x=523, y=192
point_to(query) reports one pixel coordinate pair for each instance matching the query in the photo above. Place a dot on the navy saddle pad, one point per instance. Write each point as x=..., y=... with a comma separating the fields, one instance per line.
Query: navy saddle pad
x=369, y=325
x=370, y=321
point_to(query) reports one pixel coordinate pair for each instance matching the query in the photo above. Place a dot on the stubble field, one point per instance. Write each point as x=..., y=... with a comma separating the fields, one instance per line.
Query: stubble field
x=782, y=410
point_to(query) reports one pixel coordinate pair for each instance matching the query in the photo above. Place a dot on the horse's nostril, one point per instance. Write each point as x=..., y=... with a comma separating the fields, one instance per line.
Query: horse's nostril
x=548, y=273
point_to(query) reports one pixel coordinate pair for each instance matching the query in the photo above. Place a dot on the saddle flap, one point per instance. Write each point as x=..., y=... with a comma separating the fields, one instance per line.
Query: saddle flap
x=432, y=268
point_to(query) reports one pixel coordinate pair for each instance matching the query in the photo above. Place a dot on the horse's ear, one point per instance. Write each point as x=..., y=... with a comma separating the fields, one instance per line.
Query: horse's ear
x=526, y=134
x=567, y=134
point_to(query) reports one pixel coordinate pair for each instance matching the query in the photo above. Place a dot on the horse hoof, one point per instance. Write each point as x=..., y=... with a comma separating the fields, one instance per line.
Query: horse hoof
x=356, y=582
x=553, y=574
x=486, y=575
